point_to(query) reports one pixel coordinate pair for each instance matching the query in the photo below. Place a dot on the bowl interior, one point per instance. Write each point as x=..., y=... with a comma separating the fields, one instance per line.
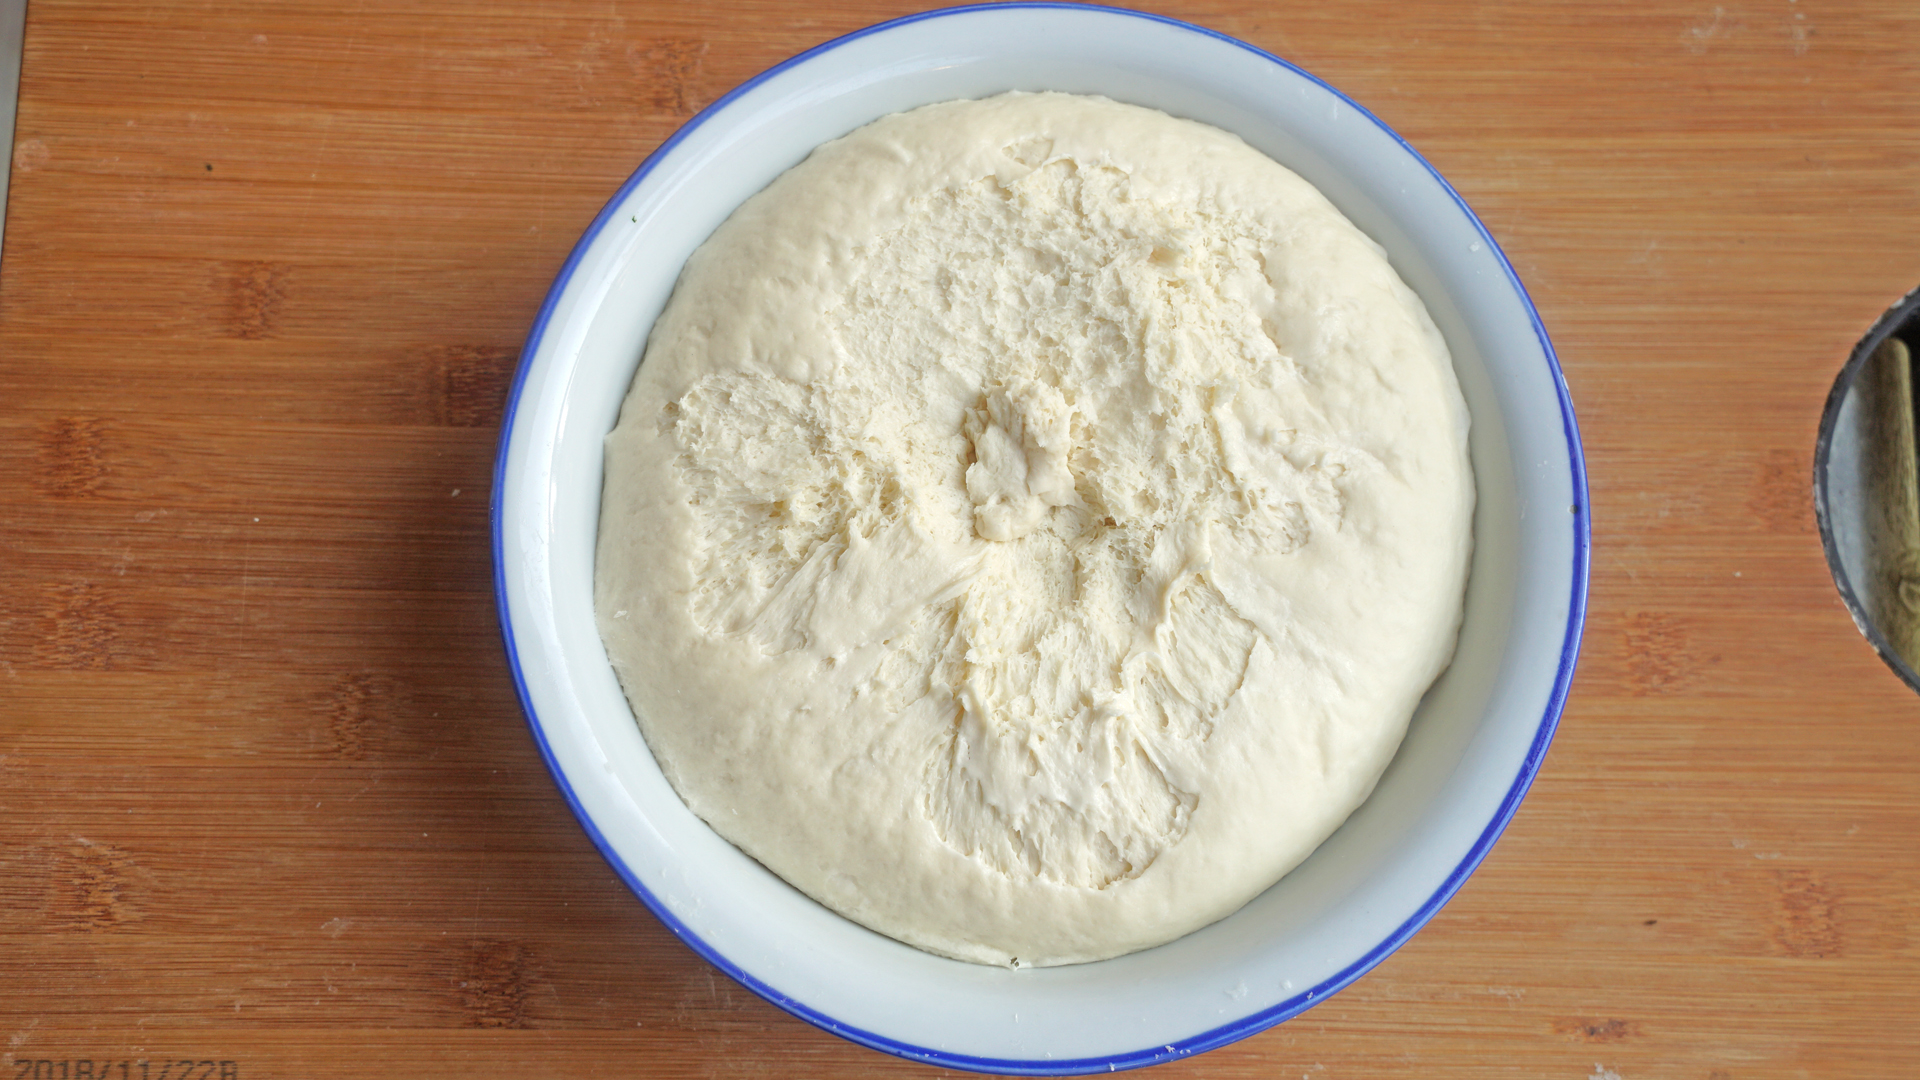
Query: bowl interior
x=1847, y=457
x=1473, y=746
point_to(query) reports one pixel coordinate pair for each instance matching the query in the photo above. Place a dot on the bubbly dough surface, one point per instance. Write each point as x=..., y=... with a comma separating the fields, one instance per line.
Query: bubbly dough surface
x=1032, y=526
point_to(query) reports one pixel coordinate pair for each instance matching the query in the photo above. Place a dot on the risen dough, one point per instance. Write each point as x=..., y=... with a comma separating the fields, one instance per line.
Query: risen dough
x=1032, y=526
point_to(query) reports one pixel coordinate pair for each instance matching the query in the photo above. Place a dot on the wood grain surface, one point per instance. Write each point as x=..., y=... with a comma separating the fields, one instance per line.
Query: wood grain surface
x=267, y=800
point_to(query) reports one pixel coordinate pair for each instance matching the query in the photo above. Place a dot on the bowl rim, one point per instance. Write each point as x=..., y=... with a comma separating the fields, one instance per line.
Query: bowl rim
x=1240, y=1027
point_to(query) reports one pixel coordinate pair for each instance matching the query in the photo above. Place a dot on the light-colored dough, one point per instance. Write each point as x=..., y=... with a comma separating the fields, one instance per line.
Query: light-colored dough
x=1033, y=525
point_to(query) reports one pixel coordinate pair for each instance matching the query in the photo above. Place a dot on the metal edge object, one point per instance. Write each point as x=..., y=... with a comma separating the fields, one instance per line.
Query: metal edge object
x=13, y=43
x=1904, y=313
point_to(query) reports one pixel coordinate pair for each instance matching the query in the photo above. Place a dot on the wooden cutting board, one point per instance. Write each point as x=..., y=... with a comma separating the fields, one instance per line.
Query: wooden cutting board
x=267, y=801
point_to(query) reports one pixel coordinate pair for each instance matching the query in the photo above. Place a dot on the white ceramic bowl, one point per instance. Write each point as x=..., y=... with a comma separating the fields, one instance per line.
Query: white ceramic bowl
x=1473, y=748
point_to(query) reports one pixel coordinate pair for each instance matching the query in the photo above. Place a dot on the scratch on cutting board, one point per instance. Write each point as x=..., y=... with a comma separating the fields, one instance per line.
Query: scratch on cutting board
x=1701, y=34
x=32, y=154
x=1596, y=1030
x=1649, y=259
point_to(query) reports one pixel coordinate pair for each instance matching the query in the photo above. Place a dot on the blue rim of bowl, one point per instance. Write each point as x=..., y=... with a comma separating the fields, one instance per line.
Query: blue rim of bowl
x=1214, y=1037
